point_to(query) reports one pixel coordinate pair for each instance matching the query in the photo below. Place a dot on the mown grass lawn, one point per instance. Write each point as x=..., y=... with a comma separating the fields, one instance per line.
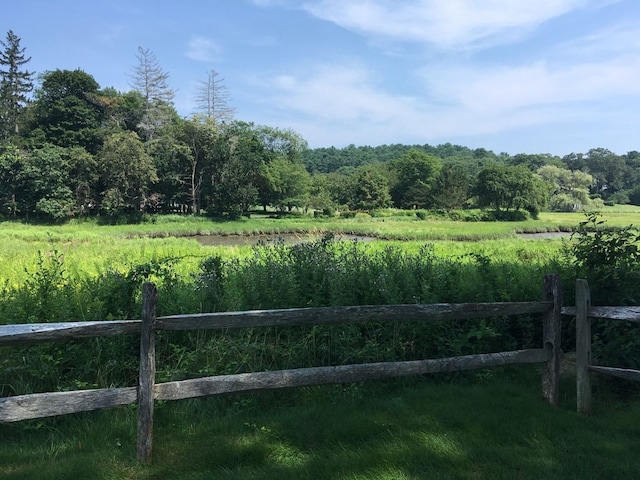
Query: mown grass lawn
x=484, y=426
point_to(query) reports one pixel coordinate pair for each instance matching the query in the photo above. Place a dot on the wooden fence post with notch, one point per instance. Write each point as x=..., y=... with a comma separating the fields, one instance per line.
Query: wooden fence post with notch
x=551, y=339
x=147, y=376
x=583, y=347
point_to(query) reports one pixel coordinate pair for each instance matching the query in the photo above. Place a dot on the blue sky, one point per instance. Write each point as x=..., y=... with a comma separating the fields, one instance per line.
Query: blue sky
x=515, y=76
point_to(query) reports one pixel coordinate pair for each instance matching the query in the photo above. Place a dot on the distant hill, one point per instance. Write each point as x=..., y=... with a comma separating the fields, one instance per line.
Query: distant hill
x=327, y=160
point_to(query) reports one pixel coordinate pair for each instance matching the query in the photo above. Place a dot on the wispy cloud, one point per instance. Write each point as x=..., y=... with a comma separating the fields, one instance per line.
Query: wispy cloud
x=496, y=91
x=451, y=24
x=336, y=93
x=202, y=49
x=559, y=82
x=344, y=101
x=613, y=40
x=341, y=102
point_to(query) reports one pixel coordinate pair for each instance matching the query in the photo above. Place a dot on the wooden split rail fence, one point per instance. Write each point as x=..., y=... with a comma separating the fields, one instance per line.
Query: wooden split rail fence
x=23, y=407
x=584, y=312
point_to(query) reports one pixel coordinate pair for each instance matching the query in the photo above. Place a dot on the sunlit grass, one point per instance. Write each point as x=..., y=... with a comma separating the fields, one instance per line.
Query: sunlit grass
x=89, y=248
x=399, y=227
x=491, y=428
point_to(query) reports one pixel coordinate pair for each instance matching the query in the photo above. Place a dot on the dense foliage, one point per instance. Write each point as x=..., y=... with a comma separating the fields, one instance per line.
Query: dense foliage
x=319, y=273
x=610, y=260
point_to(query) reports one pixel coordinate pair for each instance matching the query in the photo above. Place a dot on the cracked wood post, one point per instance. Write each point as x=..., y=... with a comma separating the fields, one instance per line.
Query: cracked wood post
x=551, y=339
x=147, y=376
x=583, y=347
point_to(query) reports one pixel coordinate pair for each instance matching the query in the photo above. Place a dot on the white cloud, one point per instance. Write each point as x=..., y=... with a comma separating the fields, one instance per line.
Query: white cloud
x=337, y=93
x=588, y=81
x=600, y=66
x=507, y=89
x=202, y=49
x=614, y=40
x=459, y=24
x=345, y=102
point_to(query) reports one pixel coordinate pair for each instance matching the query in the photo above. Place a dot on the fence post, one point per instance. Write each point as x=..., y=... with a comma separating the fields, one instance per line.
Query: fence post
x=583, y=347
x=551, y=339
x=147, y=376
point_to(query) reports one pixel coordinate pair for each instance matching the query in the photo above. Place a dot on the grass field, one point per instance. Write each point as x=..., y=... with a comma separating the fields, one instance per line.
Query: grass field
x=487, y=425
x=89, y=248
x=391, y=226
x=484, y=426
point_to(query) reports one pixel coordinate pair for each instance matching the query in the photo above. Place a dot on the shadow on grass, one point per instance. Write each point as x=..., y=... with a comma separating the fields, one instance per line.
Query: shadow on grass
x=495, y=428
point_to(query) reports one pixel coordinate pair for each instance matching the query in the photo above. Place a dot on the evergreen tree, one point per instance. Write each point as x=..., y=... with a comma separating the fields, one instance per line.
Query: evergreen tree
x=15, y=83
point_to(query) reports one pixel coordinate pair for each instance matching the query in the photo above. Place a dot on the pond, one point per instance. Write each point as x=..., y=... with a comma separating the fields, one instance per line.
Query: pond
x=269, y=239
x=544, y=235
x=292, y=238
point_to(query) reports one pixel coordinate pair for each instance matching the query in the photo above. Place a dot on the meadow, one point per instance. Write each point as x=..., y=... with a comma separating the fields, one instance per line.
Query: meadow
x=447, y=427
x=90, y=248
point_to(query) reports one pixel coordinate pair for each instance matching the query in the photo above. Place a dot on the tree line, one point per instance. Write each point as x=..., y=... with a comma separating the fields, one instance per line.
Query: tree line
x=69, y=148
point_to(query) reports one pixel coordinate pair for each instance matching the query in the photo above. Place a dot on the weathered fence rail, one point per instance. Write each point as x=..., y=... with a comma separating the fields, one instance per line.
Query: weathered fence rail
x=584, y=312
x=40, y=405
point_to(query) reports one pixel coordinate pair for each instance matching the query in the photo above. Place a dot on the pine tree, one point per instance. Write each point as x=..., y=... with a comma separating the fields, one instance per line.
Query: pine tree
x=212, y=98
x=15, y=83
x=150, y=80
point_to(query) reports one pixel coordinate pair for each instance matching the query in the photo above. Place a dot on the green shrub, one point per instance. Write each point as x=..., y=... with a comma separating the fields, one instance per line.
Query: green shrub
x=610, y=261
x=506, y=215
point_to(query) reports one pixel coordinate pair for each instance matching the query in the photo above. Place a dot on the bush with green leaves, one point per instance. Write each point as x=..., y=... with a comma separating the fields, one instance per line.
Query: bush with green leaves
x=609, y=259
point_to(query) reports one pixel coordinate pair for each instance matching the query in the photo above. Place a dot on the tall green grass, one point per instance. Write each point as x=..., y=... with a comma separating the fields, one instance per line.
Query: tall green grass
x=312, y=274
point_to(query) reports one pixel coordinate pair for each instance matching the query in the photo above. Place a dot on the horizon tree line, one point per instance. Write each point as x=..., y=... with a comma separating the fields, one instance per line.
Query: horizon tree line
x=70, y=148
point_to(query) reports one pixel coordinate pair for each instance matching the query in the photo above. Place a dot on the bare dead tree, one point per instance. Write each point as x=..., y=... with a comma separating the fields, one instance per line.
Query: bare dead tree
x=213, y=97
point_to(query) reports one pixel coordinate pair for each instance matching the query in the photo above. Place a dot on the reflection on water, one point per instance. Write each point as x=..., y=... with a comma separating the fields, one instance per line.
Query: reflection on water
x=544, y=235
x=241, y=240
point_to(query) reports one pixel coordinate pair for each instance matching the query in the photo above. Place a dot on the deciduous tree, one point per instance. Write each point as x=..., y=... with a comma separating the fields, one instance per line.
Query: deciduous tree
x=289, y=183
x=507, y=188
x=414, y=172
x=450, y=188
x=126, y=173
x=608, y=170
x=230, y=177
x=200, y=134
x=569, y=190
x=11, y=191
x=64, y=113
x=371, y=189
x=35, y=184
